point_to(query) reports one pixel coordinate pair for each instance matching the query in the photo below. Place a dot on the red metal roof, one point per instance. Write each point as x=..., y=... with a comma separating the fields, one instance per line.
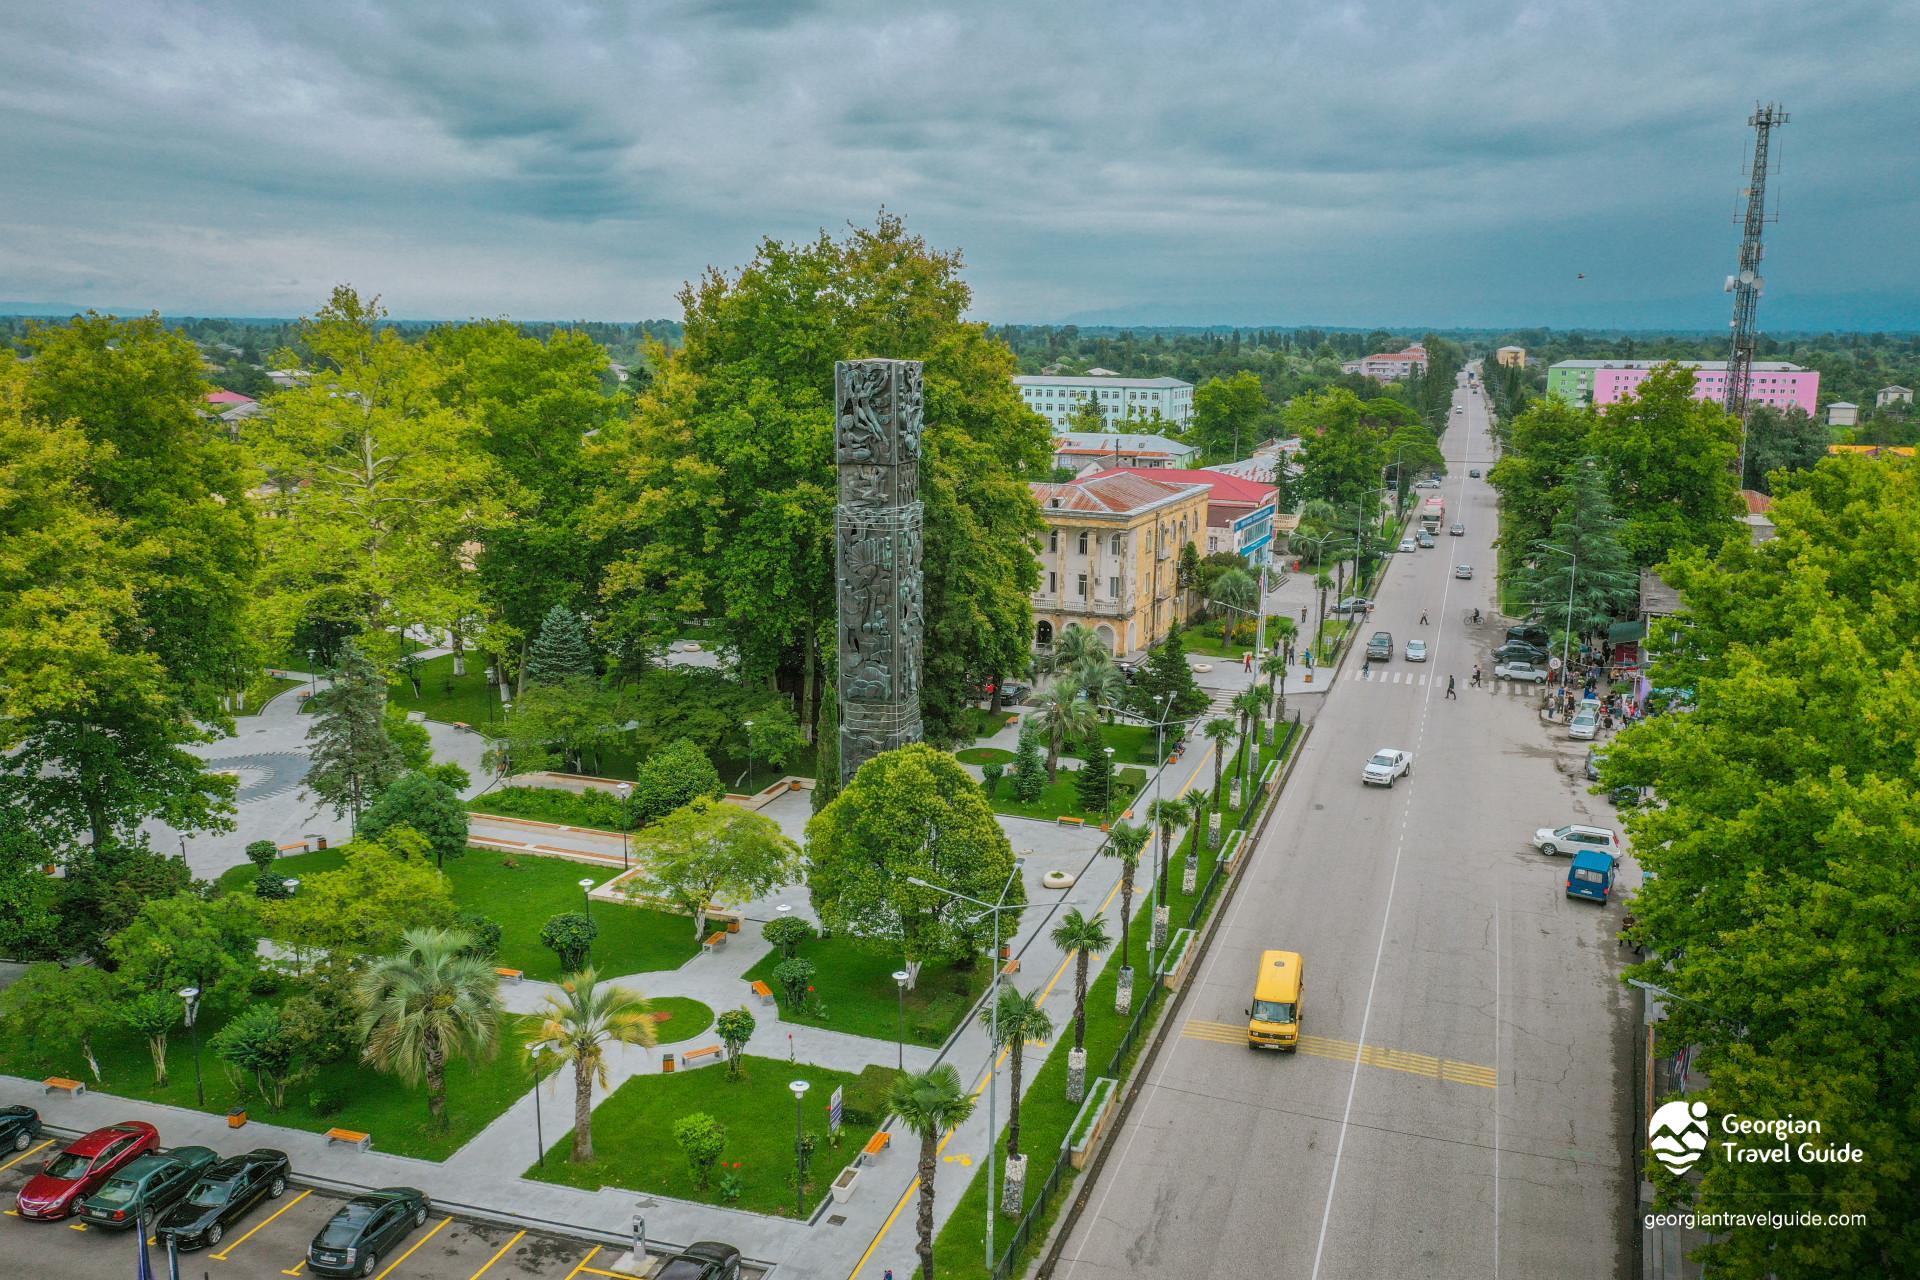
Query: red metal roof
x=1226, y=488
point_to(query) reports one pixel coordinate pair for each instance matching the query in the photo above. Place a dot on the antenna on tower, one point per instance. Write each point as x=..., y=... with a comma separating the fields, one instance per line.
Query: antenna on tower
x=1745, y=285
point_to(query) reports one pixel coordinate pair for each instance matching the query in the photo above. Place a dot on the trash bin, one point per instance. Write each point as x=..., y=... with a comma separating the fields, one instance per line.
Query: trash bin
x=321, y=842
x=236, y=1117
x=666, y=1064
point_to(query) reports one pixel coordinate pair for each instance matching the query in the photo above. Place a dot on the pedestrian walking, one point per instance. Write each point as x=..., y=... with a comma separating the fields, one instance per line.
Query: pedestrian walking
x=1423, y=617
x=1450, y=692
x=1475, y=682
x=1246, y=660
x=1366, y=666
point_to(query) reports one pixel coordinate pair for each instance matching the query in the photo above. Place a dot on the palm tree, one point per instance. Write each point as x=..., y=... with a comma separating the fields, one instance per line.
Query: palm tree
x=429, y=1002
x=1249, y=703
x=1062, y=715
x=929, y=1105
x=1017, y=1019
x=1219, y=731
x=1075, y=646
x=1104, y=685
x=1235, y=591
x=1274, y=668
x=1086, y=937
x=1197, y=801
x=1321, y=582
x=578, y=1025
x=1125, y=842
x=1165, y=813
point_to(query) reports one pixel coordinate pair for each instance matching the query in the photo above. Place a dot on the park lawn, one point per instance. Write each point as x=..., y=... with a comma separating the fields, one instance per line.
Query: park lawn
x=263, y=690
x=981, y=723
x=522, y=898
x=634, y=1147
x=394, y=1112
x=1214, y=647
x=1045, y=1113
x=853, y=983
x=1131, y=743
x=983, y=755
x=467, y=699
x=621, y=757
x=595, y=809
x=679, y=1018
x=1061, y=798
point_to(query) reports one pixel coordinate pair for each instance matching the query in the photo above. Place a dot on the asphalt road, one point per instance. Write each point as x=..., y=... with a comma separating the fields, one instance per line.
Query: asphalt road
x=271, y=1243
x=1462, y=1102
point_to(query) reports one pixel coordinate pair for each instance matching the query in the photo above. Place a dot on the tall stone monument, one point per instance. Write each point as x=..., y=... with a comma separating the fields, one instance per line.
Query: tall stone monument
x=878, y=412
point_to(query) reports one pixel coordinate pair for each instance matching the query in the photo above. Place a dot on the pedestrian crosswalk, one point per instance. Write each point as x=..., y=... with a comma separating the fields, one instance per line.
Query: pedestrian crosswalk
x=1508, y=688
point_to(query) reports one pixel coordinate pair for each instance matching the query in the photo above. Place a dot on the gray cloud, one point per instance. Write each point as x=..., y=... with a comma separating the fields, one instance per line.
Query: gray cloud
x=1350, y=163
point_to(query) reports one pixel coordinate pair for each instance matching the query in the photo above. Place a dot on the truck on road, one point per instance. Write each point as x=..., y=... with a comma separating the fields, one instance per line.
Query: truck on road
x=1433, y=513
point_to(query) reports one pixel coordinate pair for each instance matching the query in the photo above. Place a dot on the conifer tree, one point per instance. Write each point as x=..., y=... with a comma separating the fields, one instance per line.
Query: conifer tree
x=561, y=649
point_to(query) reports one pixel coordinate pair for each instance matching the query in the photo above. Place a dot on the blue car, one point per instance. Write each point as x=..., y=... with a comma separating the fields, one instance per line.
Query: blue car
x=1590, y=876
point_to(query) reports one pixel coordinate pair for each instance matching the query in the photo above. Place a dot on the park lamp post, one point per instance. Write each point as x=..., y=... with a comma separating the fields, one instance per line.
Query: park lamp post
x=191, y=997
x=1107, y=811
x=799, y=1088
x=1359, y=510
x=1566, y=632
x=900, y=984
x=625, y=792
x=748, y=775
x=534, y=1054
x=993, y=1002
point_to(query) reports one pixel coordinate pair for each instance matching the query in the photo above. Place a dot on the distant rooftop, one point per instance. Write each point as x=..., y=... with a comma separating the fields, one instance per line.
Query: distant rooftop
x=1759, y=366
x=1109, y=380
x=1119, y=493
x=1123, y=441
x=1226, y=487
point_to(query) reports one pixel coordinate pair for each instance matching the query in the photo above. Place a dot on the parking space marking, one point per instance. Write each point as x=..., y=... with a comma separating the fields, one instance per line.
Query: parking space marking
x=496, y=1257
x=223, y=1254
x=614, y=1275
x=76, y=1226
x=442, y=1226
x=298, y=1267
x=591, y=1255
x=23, y=1155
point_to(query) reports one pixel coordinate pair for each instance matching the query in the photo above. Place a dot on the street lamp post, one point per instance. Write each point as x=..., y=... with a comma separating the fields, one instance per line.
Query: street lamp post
x=625, y=792
x=191, y=995
x=539, y=1137
x=799, y=1088
x=1107, y=811
x=1566, y=632
x=748, y=726
x=993, y=1002
x=586, y=900
x=900, y=984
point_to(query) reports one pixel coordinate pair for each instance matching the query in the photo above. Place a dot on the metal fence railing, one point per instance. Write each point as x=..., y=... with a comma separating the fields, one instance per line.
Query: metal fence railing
x=1036, y=1214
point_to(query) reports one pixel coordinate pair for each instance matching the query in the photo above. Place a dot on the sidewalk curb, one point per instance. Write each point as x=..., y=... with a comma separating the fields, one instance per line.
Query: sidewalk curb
x=1064, y=1224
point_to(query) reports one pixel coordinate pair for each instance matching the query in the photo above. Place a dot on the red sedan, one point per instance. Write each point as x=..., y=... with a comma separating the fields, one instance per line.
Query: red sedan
x=84, y=1167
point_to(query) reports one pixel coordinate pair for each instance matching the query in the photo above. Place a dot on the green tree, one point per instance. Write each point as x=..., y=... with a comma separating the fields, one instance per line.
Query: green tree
x=425, y=1005
x=1782, y=908
x=1016, y=1019
x=911, y=812
x=1167, y=674
x=1248, y=704
x=51, y=1011
x=1125, y=842
x=259, y=1043
x=1029, y=769
x=1669, y=461
x=1060, y=715
x=1236, y=594
x=702, y=1139
x=928, y=1105
x=1093, y=780
x=1274, y=668
x=29, y=920
x=1411, y=450
x=151, y=1015
x=774, y=735
x=562, y=722
x=353, y=758
x=1545, y=446
x=789, y=934
x=1083, y=937
x=1087, y=415
x=677, y=774
x=382, y=890
x=706, y=850
x=426, y=804
x=723, y=489
x=1219, y=731
x=1343, y=449
x=826, y=755
x=1226, y=411
x=795, y=978
x=1781, y=439
x=561, y=650
x=570, y=936
x=1582, y=566
x=187, y=940
x=262, y=853
x=1165, y=815
x=578, y=1026
x=734, y=1027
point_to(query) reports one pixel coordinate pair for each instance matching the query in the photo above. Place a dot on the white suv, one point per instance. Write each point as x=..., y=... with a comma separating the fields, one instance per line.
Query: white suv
x=1387, y=764
x=1573, y=839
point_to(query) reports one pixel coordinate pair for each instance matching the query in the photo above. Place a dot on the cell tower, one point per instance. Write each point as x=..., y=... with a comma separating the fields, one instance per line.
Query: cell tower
x=1747, y=284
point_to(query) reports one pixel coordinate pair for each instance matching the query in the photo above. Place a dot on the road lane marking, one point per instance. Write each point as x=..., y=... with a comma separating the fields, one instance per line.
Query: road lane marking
x=223, y=1254
x=518, y=1237
x=1419, y=1064
x=23, y=1155
x=441, y=1226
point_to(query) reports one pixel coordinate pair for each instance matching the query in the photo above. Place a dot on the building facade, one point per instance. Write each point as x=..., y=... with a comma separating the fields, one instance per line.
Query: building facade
x=1390, y=366
x=1086, y=451
x=1110, y=557
x=1122, y=401
x=1892, y=395
x=1512, y=357
x=1604, y=382
x=1240, y=512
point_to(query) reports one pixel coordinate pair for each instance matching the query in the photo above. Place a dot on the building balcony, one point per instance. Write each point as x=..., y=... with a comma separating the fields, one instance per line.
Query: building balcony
x=1076, y=607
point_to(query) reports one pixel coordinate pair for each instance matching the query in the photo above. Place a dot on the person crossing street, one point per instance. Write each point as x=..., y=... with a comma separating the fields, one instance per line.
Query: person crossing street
x=1450, y=692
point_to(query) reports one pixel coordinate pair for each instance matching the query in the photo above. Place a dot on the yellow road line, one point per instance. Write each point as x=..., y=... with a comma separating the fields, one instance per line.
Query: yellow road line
x=615, y=1275
x=442, y=1226
x=296, y=1269
x=76, y=1226
x=24, y=1154
x=591, y=1255
x=224, y=1253
x=518, y=1237
x=1419, y=1064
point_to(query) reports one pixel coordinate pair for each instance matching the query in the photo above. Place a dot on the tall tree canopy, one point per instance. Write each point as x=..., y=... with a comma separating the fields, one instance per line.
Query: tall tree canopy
x=722, y=505
x=1343, y=440
x=1229, y=415
x=1786, y=912
x=1670, y=463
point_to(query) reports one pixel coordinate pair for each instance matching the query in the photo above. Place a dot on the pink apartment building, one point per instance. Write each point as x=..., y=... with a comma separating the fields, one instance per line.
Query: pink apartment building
x=1771, y=382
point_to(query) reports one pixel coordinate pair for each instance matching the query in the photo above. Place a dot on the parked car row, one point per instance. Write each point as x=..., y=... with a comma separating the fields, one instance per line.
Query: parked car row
x=119, y=1177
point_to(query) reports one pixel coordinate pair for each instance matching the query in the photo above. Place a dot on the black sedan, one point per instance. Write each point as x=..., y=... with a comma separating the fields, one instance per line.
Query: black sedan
x=18, y=1127
x=366, y=1227
x=705, y=1260
x=223, y=1195
x=1521, y=651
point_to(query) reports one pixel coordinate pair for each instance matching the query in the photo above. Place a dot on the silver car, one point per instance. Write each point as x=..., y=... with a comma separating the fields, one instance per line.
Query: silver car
x=1416, y=651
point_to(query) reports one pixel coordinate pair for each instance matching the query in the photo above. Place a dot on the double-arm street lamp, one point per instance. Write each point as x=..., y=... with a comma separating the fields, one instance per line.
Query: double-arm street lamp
x=191, y=997
x=993, y=1002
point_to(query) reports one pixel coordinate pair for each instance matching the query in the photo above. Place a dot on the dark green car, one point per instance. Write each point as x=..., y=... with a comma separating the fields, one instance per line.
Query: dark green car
x=145, y=1187
x=366, y=1229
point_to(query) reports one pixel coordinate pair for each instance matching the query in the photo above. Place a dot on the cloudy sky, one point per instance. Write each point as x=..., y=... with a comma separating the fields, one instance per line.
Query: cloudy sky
x=1207, y=161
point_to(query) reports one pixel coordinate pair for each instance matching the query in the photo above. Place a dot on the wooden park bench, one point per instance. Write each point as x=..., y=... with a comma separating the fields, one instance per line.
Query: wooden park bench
x=762, y=990
x=692, y=1056
x=714, y=941
x=879, y=1142
x=60, y=1084
x=351, y=1137
x=1068, y=820
x=1012, y=967
x=510, y=975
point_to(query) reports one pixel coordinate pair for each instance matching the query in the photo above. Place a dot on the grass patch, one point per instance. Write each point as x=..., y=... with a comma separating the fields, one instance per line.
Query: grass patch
x=382, y=1105
x=679, y=1018
x=263, y=690
x=466, y=699
x=522, y=898
x=981, y=723
x=594, y=809
x=854, y=992
x=983, y=755
x=1061, y=797
x=1134, y=743
x=1046, y=1117
x=634, y=1147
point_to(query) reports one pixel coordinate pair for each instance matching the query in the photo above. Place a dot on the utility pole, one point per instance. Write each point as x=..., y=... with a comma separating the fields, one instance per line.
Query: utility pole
x=1746, y=284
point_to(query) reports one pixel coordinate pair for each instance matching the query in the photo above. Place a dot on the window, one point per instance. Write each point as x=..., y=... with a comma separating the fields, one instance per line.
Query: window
x=1119, y=544
x=1053, y=584
x=1053, y=539
x=1113, y=588
x=1083, y=542
x=1083, y=586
